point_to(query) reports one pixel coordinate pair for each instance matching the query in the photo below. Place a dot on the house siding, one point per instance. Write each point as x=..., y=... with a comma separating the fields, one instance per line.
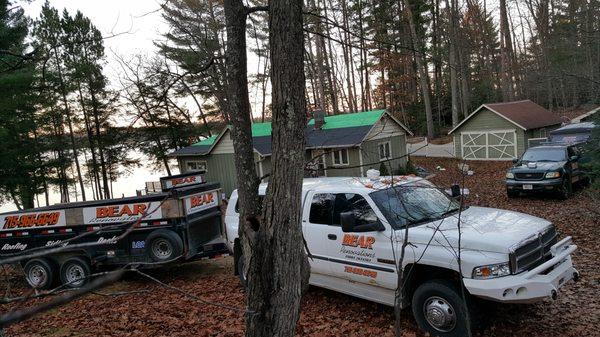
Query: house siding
x=486, y=120
x=220, y=168
x=345, y=170
x=370, y=153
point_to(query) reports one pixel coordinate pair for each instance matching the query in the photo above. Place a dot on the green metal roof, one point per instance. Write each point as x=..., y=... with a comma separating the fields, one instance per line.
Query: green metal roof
x=208, y=141
x=261, y=129
x=363, y=118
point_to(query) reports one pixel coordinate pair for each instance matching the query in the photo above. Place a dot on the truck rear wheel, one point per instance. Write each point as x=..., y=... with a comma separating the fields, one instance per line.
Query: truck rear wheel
x=39, y=273
x=439, y=309
x=164, y=245
x=75, y=272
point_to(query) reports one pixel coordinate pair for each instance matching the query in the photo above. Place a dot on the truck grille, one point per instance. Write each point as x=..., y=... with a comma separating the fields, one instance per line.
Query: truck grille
x=533, y=252
x=529, y=176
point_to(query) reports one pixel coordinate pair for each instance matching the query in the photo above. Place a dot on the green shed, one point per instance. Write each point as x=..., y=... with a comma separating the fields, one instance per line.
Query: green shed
x=502, y=131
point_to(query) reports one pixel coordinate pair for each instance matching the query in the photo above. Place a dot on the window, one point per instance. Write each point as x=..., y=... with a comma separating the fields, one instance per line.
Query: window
x=340, y=157
x=385, y=151
x=321, y=209
x=413, y=204
x=543, y=133
x=355, y=203
x=195, y=165
x=326, y=209
x=237, y=203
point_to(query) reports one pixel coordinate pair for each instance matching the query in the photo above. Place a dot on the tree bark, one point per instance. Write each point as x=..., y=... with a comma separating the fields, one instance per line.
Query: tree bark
x=279, y=269
x=272, y=245
x=453, y=64
x=506, y=56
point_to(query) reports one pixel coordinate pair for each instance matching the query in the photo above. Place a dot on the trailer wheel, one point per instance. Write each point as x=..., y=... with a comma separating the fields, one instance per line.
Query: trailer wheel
x=75, y=272
x=164, y=245
x=39, y=273
x=439, y=309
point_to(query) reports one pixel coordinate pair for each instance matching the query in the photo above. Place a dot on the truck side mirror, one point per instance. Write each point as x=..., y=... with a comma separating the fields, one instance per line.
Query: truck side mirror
x=348, y=221
x=515, y=160
x=454, y=191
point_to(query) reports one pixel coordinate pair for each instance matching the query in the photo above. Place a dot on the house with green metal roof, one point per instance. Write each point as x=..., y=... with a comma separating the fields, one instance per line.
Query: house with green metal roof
x=339, y=145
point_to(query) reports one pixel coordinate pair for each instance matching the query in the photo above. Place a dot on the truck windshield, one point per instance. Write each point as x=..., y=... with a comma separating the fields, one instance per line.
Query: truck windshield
x=413, y=204
x=544, y=154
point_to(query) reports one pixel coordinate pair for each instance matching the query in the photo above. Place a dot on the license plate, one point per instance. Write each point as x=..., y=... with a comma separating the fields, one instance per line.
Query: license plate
x=527, y=187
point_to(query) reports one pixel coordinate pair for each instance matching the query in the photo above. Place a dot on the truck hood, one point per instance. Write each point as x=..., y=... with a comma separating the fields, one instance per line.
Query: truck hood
x=482, y=229
x=540, y=166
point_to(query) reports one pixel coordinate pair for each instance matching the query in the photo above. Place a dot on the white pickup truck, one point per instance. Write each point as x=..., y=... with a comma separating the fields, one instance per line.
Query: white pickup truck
x=354, y=230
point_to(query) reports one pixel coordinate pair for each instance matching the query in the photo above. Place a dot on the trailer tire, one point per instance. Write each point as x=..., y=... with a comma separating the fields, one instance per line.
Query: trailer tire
x=75, y=272
x=39, y=273
x=164, y=245
x=439, y=309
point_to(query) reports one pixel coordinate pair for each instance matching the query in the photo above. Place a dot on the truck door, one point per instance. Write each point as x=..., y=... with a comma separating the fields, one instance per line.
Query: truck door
x=320, y=235
x=364, y=257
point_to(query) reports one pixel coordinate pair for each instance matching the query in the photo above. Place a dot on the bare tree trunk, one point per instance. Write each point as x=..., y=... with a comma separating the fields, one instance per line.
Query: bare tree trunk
x=69, y=123
x=278, y=251
x=506, y=56
x=241, y=134
x=422, y=69
x=453, y=64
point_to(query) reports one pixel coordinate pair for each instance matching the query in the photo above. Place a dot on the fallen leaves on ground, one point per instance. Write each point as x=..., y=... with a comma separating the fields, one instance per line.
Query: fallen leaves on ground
x=162, y=312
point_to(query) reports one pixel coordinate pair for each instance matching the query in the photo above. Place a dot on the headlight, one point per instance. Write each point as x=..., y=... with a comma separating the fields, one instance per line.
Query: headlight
x=491, y=271
x=552, y=174
x=510, y=175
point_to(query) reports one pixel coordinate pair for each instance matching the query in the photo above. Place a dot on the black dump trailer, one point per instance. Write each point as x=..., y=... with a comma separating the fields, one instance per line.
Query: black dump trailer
x=65, y=243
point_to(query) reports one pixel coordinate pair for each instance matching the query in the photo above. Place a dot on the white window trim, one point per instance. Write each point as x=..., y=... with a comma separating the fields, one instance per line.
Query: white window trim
x=379, y=150
x=530, y=139
x=203, y=163
x=334, y=152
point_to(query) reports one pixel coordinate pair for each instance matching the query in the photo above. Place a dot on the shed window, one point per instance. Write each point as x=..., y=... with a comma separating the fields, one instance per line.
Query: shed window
x=340, y=157
x=385, y=151
x=196, y=165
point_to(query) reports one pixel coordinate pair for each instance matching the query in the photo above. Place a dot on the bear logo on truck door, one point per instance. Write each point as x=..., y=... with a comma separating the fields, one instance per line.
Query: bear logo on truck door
x=358, y=247
x=363, y=241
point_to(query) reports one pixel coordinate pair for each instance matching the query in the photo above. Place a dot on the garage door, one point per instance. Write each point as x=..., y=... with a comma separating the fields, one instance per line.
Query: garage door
x=494, y=144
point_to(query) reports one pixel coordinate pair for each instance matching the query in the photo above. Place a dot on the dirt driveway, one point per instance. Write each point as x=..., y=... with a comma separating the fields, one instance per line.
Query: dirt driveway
x=156, y=311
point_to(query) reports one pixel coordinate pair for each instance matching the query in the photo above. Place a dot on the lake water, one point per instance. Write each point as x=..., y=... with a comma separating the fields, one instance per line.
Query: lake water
x=125, y=186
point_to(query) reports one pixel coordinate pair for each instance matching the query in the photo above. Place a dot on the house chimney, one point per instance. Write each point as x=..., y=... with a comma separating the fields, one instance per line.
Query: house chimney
x=319, y=116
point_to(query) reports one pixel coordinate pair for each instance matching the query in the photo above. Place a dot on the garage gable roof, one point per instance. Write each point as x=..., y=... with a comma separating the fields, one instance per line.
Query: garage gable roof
x=525, y=114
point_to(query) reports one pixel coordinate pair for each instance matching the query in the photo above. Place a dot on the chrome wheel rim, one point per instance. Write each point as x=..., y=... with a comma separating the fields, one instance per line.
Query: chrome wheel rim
x=37, y=276
x=162, y=249
x=74, y=275
x=439, y=314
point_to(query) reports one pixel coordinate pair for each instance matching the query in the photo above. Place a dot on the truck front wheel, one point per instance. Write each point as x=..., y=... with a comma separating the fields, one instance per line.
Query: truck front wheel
x=75, y=272
x=439, y=309
x=39, y=273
